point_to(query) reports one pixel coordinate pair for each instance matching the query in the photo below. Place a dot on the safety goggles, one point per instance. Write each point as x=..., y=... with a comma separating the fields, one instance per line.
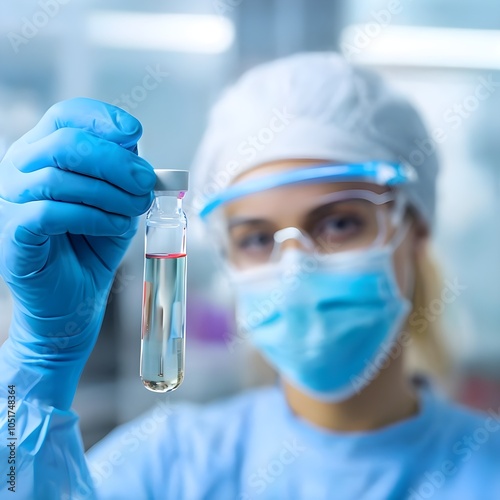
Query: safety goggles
x=338, y=221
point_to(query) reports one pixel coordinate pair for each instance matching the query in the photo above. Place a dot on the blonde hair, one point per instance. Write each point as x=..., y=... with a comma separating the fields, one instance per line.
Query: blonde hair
x=425, y=353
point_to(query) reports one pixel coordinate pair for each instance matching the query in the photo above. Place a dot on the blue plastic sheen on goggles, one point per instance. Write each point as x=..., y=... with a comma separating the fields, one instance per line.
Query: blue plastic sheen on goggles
x=382, y=173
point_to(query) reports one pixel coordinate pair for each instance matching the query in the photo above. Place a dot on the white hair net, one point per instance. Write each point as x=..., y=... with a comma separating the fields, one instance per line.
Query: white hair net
x=313, y=106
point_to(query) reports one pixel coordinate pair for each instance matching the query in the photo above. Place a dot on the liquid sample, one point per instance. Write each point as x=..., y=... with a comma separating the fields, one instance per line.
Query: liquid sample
x=163, y=321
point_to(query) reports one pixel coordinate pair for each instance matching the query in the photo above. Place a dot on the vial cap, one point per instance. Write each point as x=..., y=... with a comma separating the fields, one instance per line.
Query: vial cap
x=171, y=180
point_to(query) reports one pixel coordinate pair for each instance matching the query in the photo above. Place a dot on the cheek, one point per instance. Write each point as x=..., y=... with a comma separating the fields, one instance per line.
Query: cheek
x=404, y=267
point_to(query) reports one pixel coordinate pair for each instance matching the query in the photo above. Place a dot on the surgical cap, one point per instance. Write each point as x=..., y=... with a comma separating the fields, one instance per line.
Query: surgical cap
x=314, y=106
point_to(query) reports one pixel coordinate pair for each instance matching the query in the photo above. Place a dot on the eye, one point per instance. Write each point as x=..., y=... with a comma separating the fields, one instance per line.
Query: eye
x=339, y=227
x=255, y=241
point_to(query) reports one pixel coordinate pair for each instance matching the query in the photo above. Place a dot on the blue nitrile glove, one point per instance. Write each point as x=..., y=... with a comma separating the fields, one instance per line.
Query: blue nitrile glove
x=70, y=193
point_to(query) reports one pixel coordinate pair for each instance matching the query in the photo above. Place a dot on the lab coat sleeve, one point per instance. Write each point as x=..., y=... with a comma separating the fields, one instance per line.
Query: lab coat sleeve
x=41, y=447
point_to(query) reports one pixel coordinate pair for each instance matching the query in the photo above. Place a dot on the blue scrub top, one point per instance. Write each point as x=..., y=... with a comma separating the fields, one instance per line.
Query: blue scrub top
x=253, y=447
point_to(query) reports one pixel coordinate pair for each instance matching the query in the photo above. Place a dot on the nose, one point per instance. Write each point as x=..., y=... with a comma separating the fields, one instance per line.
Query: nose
x=292, y=237
x=291, y=243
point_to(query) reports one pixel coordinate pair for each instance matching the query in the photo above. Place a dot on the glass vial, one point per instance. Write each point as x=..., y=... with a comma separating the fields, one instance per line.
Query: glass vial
x=164, y=293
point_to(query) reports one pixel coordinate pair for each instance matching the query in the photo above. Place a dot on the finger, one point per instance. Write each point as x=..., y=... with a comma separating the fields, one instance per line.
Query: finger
x=104, y=120
x=110, y=251
x=84, y=153
x=34, y=222
x=52, y=183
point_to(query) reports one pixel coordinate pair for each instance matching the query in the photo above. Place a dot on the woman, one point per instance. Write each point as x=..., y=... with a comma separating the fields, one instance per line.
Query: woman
x=323, y=222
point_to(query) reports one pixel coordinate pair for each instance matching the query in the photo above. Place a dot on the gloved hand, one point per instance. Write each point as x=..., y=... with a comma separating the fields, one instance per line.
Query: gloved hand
x=70, y=193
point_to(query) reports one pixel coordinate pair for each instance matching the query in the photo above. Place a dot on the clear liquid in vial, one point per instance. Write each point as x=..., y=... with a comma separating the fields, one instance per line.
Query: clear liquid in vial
x=163, y=316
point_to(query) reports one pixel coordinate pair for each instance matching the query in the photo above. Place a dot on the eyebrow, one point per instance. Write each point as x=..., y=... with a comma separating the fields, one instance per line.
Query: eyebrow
x=239, y=221
x=318, y=212
x=253, y=221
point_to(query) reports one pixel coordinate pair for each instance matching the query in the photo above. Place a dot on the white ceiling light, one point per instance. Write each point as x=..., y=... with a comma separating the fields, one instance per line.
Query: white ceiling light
x=373, y=43
x=169, y=32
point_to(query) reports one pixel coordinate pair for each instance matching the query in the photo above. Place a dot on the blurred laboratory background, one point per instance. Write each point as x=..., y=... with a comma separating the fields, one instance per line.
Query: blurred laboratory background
x=444, y=54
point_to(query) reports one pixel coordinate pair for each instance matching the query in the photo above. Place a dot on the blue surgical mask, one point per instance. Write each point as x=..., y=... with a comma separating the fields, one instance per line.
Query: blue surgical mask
x=322, y=320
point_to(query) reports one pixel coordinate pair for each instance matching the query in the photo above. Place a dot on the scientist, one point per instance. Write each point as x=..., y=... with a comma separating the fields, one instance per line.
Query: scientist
x=305, y=177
